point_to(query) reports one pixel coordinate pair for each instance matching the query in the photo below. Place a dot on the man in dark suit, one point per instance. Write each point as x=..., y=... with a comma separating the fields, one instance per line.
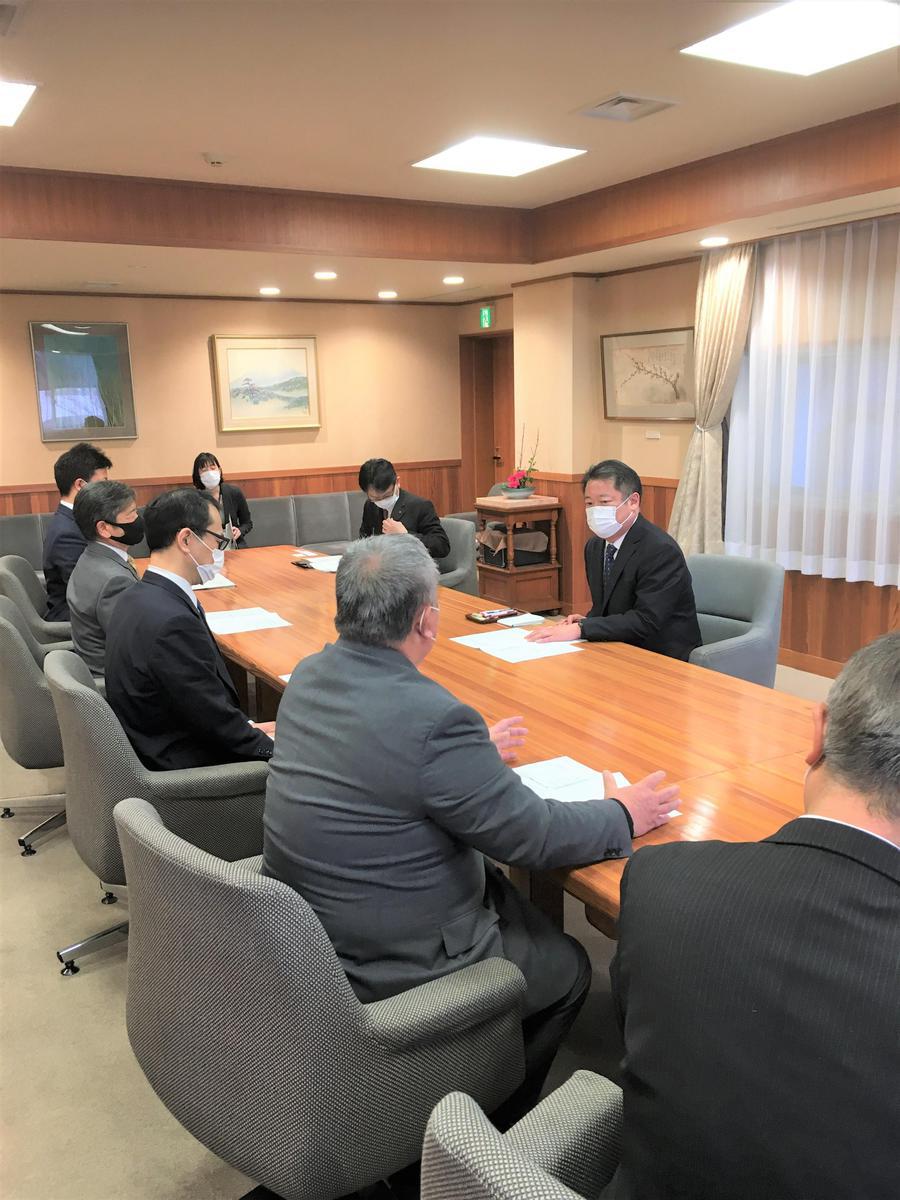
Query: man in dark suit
x=389, y=509
x=107, y=516
x=758, y=985
x=165, y=677
x=64, y=541
x=640, y=585
x=386, y=793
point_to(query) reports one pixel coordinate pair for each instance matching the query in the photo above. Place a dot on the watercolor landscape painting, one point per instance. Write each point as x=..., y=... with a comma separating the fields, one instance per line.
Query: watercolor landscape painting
x=266, y=383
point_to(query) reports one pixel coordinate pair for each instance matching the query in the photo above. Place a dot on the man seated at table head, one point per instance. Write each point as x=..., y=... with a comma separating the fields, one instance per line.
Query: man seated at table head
x=64, y=541
x=166, y=679
x=640, y=585
x=758, y=984
x=390, y=509
x=107, y=516
x=387, y=795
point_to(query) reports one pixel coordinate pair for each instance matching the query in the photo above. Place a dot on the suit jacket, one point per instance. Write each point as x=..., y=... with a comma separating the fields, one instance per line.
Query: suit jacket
x=99, y=579
x=64, y=544
x=167, y=682
x=234, y=508
x=758, y=986
x=650, y=600
x=384, y=795
x=417, y=515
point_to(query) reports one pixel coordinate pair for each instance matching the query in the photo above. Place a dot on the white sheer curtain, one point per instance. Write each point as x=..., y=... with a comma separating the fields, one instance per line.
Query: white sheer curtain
x=814, y=434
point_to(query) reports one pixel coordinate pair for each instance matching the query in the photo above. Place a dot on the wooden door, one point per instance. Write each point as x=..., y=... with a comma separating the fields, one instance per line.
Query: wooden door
x=486, y=413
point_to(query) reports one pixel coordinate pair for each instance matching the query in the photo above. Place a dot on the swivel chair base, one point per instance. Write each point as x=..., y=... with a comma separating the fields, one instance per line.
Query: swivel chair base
x=97, y=941
x=54, y=822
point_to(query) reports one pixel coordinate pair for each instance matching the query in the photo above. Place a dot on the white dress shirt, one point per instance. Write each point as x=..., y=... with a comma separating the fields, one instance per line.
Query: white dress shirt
x=182, y=583
x=835, y=821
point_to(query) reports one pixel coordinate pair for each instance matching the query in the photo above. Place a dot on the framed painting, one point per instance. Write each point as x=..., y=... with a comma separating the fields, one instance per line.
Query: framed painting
x=265, y=383
x=648, y=376
x=82, y=372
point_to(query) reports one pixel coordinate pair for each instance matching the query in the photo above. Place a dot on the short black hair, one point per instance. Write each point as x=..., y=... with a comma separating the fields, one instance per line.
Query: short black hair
x=206, y=459
x=624, y=478
x=166, y=514
x=78, y=463
x=100, y=501
x=377, y=473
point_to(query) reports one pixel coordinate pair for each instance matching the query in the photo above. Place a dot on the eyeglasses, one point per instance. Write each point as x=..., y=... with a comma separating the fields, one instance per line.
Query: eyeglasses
x=222, y=539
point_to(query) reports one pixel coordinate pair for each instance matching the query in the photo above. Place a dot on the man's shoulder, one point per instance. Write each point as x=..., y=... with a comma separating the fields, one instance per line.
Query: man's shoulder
x=654, y=535
x=62, y=527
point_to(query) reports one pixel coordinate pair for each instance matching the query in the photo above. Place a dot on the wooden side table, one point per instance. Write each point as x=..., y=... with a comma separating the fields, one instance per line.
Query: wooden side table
x=533, y=588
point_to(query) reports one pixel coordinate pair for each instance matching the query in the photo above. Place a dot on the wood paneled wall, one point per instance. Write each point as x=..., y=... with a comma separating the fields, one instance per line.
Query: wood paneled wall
x=439, y=480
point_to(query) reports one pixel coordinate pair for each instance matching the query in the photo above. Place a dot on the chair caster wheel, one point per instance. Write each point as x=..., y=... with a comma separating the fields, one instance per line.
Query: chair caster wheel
x=109, y=898
x=27, y=849
x=70, y=969
x=7, y=812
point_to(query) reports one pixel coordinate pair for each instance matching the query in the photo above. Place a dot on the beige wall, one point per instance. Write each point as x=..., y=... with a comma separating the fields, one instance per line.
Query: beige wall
x=388, y=382
x=558, y=326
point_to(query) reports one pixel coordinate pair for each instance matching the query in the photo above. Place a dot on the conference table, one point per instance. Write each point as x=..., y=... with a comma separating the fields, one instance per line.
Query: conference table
x=735, y=749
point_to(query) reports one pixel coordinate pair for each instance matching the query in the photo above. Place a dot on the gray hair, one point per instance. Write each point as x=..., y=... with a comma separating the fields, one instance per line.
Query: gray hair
x=100, y=501
x=381, y=584
x=862, y=736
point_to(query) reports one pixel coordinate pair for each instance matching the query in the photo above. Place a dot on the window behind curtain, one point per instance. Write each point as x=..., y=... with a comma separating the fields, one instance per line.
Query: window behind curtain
x=814, y=445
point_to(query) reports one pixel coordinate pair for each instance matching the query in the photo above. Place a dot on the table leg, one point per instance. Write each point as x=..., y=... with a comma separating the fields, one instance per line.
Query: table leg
x=542, y=889
x=510, y=545
x=553, y=559
x=267, y=701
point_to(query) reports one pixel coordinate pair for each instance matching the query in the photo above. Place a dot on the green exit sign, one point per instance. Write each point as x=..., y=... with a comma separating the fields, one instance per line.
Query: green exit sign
x=486, y=316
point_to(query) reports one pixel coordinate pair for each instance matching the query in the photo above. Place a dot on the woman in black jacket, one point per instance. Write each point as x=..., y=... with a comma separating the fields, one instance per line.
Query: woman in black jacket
x=231, y=501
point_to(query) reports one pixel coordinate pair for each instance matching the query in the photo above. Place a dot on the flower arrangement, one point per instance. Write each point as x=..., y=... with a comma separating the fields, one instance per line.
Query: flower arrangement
x=523, y=477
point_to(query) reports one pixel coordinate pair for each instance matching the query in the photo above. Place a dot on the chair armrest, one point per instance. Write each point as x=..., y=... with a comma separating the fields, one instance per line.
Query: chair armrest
x=447, y=1006
x=58, y=631
x=741, y=656
x=207, y=783
x=575, y=1133
x=449, y=578
x=253, y=865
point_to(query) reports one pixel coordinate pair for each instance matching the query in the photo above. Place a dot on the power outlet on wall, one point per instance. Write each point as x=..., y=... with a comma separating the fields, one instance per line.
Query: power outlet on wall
x=652, y=435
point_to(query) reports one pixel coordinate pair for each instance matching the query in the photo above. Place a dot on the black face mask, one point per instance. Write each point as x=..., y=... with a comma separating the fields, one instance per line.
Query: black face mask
x=132, y=532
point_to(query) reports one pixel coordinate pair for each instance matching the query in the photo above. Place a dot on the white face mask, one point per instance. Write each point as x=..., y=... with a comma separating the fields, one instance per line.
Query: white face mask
x=602, y=520
x=388, y=503
x=208, y=571
x=211, y=478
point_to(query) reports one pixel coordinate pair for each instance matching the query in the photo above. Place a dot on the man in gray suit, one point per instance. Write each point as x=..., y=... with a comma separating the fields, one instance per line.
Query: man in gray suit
x=106, y=514
x=386, y=793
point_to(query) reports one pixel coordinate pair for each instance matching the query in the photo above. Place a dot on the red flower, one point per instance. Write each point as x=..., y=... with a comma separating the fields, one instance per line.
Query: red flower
x=516, y=479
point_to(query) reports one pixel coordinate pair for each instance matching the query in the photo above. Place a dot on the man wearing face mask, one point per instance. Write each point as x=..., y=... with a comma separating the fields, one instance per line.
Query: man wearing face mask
x=390, y=509
x=387, y=797
x=640, y=585
x=107, y=516
x=166, y=679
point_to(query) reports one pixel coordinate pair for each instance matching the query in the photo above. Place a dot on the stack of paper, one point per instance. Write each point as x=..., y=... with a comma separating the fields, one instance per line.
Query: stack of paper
x=217, y=581
x=509, y=645
x=243, y=620
x=521, y=619
x=565, y=779
x=325, y=562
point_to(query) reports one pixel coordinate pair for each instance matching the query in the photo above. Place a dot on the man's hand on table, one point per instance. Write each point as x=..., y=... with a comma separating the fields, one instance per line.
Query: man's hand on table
x=564, y=631
x=506, y=735
x=647, y=802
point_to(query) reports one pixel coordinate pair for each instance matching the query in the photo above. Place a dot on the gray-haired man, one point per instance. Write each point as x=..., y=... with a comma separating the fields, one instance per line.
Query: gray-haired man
x=107, y=516
x=385, y=793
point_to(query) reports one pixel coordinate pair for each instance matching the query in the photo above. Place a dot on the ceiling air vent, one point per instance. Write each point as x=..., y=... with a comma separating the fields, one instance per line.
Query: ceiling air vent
x=623, y=107
x=9, y=15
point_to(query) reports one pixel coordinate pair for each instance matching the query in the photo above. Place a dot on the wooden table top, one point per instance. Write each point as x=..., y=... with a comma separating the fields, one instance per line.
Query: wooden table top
x=735, y=748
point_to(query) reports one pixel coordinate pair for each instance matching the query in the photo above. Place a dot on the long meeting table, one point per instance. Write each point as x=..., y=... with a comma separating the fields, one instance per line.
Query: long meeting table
x=735, y=749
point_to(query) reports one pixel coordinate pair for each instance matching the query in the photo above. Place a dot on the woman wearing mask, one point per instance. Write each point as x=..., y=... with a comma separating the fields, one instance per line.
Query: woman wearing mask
x=233, y=507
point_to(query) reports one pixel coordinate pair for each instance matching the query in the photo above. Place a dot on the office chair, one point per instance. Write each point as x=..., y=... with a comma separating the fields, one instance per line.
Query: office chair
x=739, y=604
x=19, y=582
x=458, y=569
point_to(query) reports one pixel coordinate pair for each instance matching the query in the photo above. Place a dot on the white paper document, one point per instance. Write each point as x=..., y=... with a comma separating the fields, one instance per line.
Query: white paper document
x=243, y=620
x=565, y=779
x=325, y=562
x=285, y=678
x=521, y=619
x=509, y=645
x=218, y=581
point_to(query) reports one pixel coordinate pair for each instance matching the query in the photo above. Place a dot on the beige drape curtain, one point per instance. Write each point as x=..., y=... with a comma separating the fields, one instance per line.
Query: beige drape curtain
x=721, y=319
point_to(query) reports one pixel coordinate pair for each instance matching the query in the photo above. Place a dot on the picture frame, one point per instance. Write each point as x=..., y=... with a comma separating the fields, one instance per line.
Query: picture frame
x=82, y=376
x=648, y=376
x=265, y=383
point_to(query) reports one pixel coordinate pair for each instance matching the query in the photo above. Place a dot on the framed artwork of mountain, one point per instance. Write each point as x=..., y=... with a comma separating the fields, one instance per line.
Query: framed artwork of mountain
x=265, y=383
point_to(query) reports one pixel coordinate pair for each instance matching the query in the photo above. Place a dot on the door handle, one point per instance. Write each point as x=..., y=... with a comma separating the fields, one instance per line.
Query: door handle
x=498, y=458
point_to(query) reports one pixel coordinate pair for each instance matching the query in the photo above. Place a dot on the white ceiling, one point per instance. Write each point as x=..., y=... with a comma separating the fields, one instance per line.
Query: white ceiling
x=342, y=95
x=68, y=266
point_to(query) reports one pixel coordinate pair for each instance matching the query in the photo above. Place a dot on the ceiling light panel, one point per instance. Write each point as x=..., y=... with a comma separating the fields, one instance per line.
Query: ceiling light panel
x=807, y=36
x=497, y=156
x=13, y=98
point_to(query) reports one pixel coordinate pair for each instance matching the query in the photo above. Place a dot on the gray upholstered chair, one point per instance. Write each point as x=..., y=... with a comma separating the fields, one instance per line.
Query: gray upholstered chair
x=28, y=726
x=566, y=1148
x=21, y=535
x=739, y=609
x=19, y=582
x=458, y=569
x=218, y=808
x=246, y=1026
x=357, y=502
x=273, y=522
x=323, y=522
x=496, y=489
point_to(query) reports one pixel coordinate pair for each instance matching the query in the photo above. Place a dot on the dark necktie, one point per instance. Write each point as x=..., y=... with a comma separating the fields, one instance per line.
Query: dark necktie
x=609, y=557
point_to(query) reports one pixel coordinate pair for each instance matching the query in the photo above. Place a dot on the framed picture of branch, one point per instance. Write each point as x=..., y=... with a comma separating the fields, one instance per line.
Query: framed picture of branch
x=648, y=376
x=265, y=383
x=82, y=372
